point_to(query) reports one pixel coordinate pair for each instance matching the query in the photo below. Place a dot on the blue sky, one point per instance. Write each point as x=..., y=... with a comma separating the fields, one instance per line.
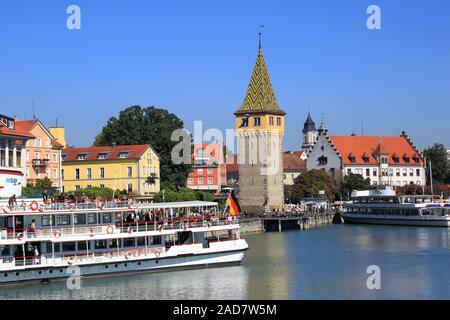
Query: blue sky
x=195, y=58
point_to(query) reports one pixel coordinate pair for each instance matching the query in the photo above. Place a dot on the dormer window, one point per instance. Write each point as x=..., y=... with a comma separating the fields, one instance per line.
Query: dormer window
x=124, y=155
x=416, y=159
x=395, y=158
x=365, y=158
x=81, y=156
x=352, y=157
x=102, y=156
x=406, y=158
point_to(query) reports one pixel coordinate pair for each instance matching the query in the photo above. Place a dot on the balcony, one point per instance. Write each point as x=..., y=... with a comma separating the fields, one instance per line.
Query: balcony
x=151, y=179
x=41, y=163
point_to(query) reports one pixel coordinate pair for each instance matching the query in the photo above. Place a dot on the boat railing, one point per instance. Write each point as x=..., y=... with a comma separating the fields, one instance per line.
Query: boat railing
x=34, y=206
x=57, y=232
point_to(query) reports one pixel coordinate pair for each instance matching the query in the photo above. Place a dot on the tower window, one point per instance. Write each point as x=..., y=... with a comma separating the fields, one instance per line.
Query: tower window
x=244, y=122
x=271, y=121
x=257, y=121
x=279, y=121
x=323, y=160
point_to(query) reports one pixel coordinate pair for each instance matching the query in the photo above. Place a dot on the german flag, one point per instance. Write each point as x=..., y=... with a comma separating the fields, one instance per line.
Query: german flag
x=233, y=204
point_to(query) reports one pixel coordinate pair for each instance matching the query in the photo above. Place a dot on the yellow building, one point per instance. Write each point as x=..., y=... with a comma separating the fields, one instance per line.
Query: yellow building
x=134, y=168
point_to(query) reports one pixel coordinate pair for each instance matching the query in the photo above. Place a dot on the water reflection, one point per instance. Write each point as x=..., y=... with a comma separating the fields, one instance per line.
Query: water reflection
x=216, y=283
x=324, y=263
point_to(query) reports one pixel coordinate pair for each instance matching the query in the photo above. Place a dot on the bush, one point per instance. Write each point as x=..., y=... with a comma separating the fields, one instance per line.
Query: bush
x=95, y=192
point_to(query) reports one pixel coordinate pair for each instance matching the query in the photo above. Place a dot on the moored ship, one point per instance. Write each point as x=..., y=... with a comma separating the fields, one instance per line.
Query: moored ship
x=39, y=241
x=385, y=207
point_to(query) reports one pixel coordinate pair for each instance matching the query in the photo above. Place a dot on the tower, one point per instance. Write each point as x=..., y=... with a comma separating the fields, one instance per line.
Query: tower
x=309, y=133
x=260, y=131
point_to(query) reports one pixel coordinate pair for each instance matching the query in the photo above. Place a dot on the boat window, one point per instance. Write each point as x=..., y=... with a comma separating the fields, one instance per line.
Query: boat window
x=106, y=218
x=82, y=245
x=5, y=251
x=49, y=247
x=112, y=244
x=447, y=212
x=140, y=241
x=79, y=218
x=92, y=218
x=156, y=240
x=128, y=242
x=100, y=244
x=47, y=220
x=63, y=219
x=68, y=246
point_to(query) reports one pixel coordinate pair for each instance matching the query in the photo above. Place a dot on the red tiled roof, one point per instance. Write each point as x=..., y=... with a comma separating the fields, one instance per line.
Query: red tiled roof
x=15, y=133
x=292, y=162
x=25, y=125
x=56, y=144
x=113, y=153
x=360, y=147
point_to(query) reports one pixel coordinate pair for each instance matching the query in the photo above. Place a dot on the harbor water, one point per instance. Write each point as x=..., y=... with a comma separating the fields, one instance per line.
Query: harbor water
x=328, y=262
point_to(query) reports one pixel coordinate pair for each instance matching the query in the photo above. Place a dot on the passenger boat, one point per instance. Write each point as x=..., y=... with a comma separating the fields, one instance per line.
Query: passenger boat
x=383, y=206
x=39, y=241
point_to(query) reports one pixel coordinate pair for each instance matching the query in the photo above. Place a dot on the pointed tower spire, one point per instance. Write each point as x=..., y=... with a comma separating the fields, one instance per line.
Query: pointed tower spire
x=260, y=97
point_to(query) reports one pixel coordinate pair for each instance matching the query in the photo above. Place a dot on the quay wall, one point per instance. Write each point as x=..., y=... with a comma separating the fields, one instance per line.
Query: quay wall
x=250, y=225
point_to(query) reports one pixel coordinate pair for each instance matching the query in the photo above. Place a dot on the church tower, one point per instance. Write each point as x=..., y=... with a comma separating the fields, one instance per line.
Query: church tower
x=260, y=132
x=309, y=134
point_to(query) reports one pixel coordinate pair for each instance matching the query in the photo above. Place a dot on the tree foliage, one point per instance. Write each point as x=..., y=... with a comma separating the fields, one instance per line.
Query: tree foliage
x=95, y=192
x=154, y=126
x=309, y=185
x=353, y=182
x=439, y=161
x=184, y=194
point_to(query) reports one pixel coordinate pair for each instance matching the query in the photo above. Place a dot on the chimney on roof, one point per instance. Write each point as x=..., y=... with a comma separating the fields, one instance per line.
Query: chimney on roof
x=113, y=144
x=404, y=134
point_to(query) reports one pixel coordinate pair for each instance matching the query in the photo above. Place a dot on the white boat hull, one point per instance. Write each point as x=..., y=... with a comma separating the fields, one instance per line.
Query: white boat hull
x=418, y=221
x=135, y=265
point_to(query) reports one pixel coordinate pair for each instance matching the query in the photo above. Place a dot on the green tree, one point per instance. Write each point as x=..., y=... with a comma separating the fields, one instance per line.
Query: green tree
x=95, y=192
x=353, y=182
x=154, y=126
x=309, y=185
x=439, y=162
x=45, y=183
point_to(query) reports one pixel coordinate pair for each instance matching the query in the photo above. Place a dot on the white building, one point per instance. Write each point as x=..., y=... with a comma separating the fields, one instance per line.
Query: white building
x=12, y=157
x=385, y=160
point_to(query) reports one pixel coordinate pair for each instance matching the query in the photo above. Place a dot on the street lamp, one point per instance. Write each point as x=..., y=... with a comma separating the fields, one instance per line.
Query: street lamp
x=163, y=192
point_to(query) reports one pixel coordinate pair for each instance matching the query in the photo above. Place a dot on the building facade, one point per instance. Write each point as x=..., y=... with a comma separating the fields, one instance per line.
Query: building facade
x=294, y=165
x=43, y=154
x=133, y=168
x=12, y=157
x=209, y=172
x=384, y=160
x=260, y=132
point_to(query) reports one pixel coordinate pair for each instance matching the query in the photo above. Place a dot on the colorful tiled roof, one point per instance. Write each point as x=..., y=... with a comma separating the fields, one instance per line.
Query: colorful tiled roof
x=260, y=97
x=15, y=133
x=112, y=153
x=360, y=150
x=28, y=125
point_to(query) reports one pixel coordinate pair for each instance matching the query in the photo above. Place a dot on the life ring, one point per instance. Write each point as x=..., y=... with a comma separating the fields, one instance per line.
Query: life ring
x=184, y=227
x=91, y=232
x=157, y=253
x=41, y=208
x=72, y=207
x=137, y=253
x=130, y=205
x=128, y=256
x=130, y=230
x=110, y=229
x=101, y=206
x=57, y=234
x=34, y=206
x=160, y=228
x=6, y=209
x=70, y=261
x=19, y=236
